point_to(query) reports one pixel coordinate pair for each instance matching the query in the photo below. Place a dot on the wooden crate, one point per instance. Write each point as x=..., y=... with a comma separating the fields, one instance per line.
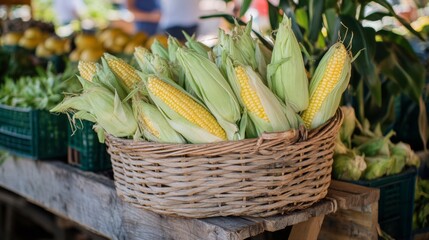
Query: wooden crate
x=357, y=214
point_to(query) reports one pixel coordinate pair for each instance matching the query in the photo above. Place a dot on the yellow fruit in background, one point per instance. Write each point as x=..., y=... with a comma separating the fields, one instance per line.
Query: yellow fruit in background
x=66, y=45
x=33, y=33
x=84, y=41
x=160, y=37
x=91, y=55
x=74, y=55
x=11, y=38
x=140, y=37
x=109, y=33
x=115, y=49
x=28, y=43
x=129, y=49
x=121, y=40
x=42, y=51
x=110, y=46
x=55, y=45
x=45, y=36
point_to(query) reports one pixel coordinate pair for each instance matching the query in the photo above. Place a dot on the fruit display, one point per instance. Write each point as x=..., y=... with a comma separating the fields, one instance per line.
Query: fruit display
x=90, y=47
x=195, y=94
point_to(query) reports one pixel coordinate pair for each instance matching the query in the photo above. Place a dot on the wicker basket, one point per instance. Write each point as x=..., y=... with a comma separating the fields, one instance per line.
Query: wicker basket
x=273, y=174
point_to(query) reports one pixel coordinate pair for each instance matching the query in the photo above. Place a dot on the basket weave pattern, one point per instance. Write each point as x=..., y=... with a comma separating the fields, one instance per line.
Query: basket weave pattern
x=273, y=174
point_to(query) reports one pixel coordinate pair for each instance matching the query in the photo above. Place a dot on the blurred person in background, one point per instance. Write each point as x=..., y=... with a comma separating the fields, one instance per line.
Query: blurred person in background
x=68, y=10
x=147, y=14
x=178, y=16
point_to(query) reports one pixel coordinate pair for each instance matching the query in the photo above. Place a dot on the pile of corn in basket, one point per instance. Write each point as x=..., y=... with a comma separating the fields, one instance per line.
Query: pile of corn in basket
x=236, y=129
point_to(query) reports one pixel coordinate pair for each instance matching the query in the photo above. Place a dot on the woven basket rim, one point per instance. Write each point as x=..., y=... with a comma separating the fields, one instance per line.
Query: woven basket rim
x=293, y=135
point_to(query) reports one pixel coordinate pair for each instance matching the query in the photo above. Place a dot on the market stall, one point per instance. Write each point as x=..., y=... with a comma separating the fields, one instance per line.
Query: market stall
x=314, y=128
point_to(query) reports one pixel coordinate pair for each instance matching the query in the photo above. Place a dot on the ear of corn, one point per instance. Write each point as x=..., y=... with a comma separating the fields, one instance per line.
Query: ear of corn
x=183, y=113
x=209, y=85
x=264, y=109
x=153, y=124
x=287, y=77
x=144, y=59
x=153, y=64
x=198, y=47
x=244, y=43
x=239, y=46
x=330, y=80
x=159, y=49
x=87, y=69
x=110, y=113
x=125, y=72
x=107, y=78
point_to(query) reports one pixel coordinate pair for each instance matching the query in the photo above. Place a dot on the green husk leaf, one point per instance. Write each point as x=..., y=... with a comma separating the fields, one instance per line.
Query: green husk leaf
x=348, y=166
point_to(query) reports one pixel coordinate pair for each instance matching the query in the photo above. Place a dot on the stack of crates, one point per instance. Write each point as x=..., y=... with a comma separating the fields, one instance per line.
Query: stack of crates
x=396, y=204
x=35, y=134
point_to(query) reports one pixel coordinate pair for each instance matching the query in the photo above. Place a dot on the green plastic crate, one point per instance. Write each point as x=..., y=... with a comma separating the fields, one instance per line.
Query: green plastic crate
x=85, y=151
x=35, y=134
x=396, y=204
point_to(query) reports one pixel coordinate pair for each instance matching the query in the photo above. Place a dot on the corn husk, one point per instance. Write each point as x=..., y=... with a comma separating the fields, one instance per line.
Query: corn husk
x=280, y=116
x=340, y=147
x=212, y=88
x=403, y=150
x=239, y=45
x=173, y=45
x=144, y=59
x=376, y=146
x=158, y=49
x=198, y=47
x=349, y=124
x=348, y=166
x=377, y=166
x=100, y=105
x=287, y=76
x=107, y=78
x=153, y=124
x=263, y=57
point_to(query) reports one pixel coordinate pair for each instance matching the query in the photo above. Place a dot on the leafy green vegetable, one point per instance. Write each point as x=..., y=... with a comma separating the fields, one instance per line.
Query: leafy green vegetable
x=40, y=92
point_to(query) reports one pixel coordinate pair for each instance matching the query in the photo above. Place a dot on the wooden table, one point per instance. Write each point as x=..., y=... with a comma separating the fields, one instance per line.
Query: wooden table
x=90, y=200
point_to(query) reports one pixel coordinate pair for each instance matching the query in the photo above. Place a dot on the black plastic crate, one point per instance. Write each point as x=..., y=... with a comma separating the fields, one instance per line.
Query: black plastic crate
x=85, y=151
x=396, y=204
x=35, y=134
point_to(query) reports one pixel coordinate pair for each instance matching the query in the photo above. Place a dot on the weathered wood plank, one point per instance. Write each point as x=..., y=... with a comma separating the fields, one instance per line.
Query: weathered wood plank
x=350, y=224
x=91, y=201
x=308, y=230
x=276, y=223
x=350, y=195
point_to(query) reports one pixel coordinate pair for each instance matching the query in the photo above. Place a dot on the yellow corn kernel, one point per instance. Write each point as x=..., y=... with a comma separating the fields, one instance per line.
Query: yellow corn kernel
x=124, y=72
x=185, y=106
x=334, y=73
x=249, y=96
x=87, y=69
x=149, y=126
